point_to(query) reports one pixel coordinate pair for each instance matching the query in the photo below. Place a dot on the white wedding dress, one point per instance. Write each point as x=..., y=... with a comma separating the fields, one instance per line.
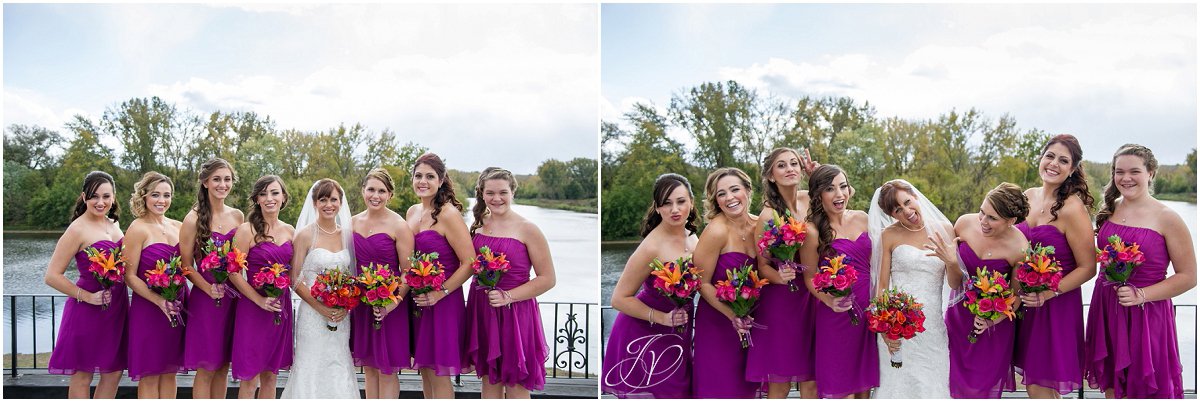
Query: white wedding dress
x=322, y=367
x=926, y=369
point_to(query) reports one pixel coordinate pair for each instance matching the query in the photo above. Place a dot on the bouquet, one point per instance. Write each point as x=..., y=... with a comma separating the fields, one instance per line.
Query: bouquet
x=272, y=280
x=379, y=287
x=895, y=314
x=836, y=278
x=336, y=289
x=782, y=237
x=989, y=297
x=489, y=266
x=426, y=275
x=678, y=280
x=1039, y=272
x=740, y=291
x=221, y=258
x=166, y=279
x=107, y=266
x=1119, y=259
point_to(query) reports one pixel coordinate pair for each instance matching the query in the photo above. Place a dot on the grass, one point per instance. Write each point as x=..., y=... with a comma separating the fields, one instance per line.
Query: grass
x=27, y=360
x=587, y=205
x=1184, y=197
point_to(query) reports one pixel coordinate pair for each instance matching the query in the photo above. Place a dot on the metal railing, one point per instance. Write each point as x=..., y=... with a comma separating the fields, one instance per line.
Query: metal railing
x=609, y=311
x=569, y=340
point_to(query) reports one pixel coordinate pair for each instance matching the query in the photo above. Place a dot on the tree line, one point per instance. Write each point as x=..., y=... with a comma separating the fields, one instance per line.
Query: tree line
x=954, y=158
x=44, y=168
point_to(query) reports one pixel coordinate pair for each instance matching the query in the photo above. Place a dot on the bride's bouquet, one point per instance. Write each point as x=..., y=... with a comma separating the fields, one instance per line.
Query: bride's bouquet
x=379, y=287
x=678, y=280
x=894, y=315
x=272, y=280
x=990, y=297
x=426, y=275
x=222, y=258
x=166, y=279
x=740, y=291
x=782, y=237
x=836, y=278
x=107, y=266
x=336, y=289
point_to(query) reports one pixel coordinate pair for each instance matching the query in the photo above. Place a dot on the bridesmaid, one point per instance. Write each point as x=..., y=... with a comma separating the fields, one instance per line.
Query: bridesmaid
x=727, y=243
x=381, y=237
x=848, y=357
x=209, y=333
x=1050, y=335
x=986, y=239
x=91, y=337
x=439, y=228
x=1132, y=350
x=260, y=346
x=642, y=360
x=155, y=347
x=505, y=339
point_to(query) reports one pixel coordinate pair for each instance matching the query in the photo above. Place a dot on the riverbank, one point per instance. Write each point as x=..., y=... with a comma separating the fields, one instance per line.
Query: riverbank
x=587, y=206
x=1182, y=197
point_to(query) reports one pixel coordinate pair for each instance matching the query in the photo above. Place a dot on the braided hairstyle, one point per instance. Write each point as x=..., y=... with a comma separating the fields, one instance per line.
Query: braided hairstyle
x=445, y=192
x=1076, y=183
x=91, y=183
x=664, y=185
x=480, y=209
x=1009, y=202
x=203, y=206
x=256, y=218
x=1111, y=193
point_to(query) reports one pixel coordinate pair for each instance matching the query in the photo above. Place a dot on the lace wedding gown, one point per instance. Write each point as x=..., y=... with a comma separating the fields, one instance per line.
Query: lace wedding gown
x=926, y=357
x=322, y=367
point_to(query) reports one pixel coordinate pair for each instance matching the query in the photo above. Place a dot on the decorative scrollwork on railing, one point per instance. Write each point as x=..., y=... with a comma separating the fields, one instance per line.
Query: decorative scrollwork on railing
x=573, y=336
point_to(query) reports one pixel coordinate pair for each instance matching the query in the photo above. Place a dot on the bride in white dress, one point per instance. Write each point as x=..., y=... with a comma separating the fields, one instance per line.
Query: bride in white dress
x=322, y=367
x=903, y=224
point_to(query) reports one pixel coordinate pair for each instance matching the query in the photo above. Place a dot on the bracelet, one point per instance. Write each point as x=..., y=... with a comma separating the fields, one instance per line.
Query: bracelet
x=445, y=292
x=650, y=315
x=77, y=298
x=1141, y=293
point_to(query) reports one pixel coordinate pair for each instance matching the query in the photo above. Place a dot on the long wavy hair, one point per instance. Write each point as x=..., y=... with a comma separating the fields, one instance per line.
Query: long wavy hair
x=203, y=206
x=445, y=192
x=821, y=180
x=711, y=208
x=1111, y=193
x=1076, y=183
x=772, y=197
x=480, y=209
x=137, y=200
x=256, y=218
x=664, y=185
x=91, y=183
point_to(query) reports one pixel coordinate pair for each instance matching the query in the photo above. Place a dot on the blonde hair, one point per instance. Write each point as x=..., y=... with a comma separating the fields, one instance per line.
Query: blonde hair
x=150, y=180
x=711, y=209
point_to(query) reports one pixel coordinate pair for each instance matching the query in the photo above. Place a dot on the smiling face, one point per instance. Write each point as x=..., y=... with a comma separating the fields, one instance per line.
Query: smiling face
x=1131, y=176
x=329, y=205
x=101, y=201
x=271, y=198
x=836, y=196
x=785, y=169
x=732, y=196
x=158, y=200
x=425, y=181
x=907, y=210
x=219, y=183
x=676, y=208
x=1056, y=164
x=990, y=221
x=498, y=195
x=375, y=194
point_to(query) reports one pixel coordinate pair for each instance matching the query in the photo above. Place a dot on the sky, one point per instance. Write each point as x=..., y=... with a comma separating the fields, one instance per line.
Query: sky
x=481, y=85
x=1109, y=74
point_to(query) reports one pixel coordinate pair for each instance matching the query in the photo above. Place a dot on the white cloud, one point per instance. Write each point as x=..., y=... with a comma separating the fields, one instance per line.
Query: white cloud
x=27, y=107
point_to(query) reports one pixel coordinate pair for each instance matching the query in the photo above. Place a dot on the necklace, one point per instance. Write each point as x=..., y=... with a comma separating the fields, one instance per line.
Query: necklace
x=329, y=232
x=912, y=230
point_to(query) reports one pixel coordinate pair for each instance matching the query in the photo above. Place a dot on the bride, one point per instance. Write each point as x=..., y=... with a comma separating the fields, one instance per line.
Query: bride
x=322, y=367
x=903, y=225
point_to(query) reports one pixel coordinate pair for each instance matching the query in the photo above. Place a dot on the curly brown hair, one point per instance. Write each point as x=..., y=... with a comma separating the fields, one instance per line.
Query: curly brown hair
x=1076, y=183
x=137, y=200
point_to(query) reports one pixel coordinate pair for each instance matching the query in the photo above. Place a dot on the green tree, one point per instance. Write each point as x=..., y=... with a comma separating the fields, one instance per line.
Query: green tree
x=717, y=115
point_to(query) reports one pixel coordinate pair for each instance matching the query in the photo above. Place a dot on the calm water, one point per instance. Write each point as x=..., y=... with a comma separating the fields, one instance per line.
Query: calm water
x=613, y=257
x=572, y=236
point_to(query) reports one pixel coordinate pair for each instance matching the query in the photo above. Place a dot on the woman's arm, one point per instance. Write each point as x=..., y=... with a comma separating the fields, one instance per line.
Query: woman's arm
x=543, y=265
x=242, y=240
x=708, y=251
x=187, y=249
x=1183, y=260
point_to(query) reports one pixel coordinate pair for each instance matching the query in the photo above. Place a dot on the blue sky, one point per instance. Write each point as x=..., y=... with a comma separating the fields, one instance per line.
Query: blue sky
x=482, y=85
x=1109, y=74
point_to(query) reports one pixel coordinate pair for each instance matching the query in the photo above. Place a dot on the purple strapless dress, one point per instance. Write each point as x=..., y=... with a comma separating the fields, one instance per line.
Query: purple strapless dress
x=258, y=344
x=982, y=369
x=719, y=359
x=1050, y=337
x=439, y=334
x=91, y=339
x=387, y=348
x=1132, y=350
x=154, y=347
x=643, y=360
x=209, y=332
x=506, y=344
x=849, y=356
x=784, y=351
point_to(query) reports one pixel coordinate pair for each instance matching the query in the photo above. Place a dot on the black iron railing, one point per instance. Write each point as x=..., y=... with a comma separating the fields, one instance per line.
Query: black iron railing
x=571, y=354
x=608, y=313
